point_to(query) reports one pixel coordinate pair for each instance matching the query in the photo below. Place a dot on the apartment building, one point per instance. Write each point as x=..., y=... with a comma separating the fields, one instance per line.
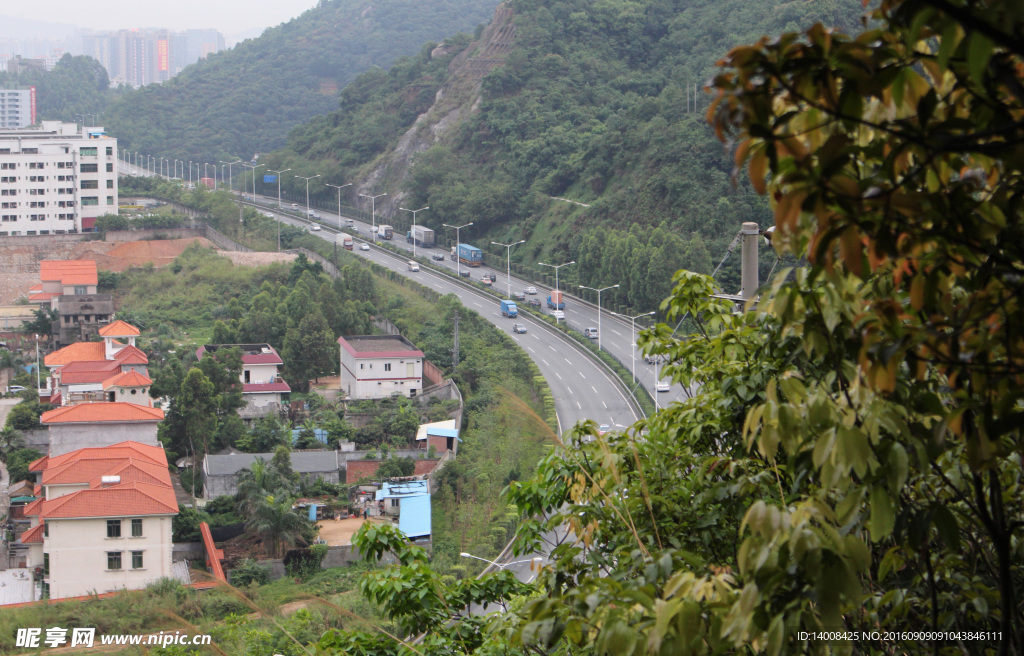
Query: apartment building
x=55, y=179
x=379, y=366
x=17, y=108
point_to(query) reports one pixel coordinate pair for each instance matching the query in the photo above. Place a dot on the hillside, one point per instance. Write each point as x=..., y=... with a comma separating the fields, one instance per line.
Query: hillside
x=597, y=103
x=244, y=100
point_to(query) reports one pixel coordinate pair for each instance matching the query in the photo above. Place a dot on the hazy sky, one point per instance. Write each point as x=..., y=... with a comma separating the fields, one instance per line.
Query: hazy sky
x=227, y=16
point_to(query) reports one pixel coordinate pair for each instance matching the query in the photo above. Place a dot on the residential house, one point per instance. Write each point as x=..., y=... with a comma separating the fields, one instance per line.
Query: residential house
x=69, y=287
x=442, y=435
x=74, y=427
x=220, y=472
x=78, y=371
x=407, y=504
x=261, y=380
x=379, y=366
x=103, y=521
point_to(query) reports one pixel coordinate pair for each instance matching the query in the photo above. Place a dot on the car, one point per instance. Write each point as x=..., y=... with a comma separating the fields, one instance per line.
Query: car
x=603, y=428
x=364, y=246
x=532, y=291
x=558, y=315
x=312, y=214
x=519, y=296
x=413, y=265
x=519, y=328
x=14, y=389
x=489, y=276
x=437, y=257
x=664, y=386
x=464, y=273
x=485, y=280
x=534, y=302
x=316, y=227
x=652, y=359
x=350, y=223
x=590, y=332
x=295, y=206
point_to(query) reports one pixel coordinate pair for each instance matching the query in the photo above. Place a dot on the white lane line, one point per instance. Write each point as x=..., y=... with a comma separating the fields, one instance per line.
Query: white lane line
x=531, y=349
x=569, y=361
x=559, y=375
x=604, y=404
x=545, y=362
x=552, y=348
x=594, y=388
x=616, y=332
x=578, y=405
x=570, y=390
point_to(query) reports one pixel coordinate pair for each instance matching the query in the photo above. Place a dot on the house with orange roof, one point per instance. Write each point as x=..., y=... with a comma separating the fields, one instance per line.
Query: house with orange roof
x=78, y=371
x=103, y=522
x=69, y=287
x=99, y=424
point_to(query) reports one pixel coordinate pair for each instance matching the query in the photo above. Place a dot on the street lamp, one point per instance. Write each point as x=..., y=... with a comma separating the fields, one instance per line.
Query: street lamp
x=508, y=267
x=373, y=211
x=339, y=188
x=632, y=322
x=307, y=190
x=599, y=331
x=248, y=166
x=458, y=261
x=176, y=168
x=413, y=231
x=230, y=164
x=556, y=267
x=278, y=219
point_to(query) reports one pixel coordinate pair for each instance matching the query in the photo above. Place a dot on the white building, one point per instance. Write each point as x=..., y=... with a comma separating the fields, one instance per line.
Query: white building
x=56, y=179
x=17, y=108
x=103, y=522
x=261, y=379
x=379, y=366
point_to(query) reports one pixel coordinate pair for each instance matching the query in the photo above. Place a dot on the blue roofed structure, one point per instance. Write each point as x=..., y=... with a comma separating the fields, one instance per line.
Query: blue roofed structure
x=319, y=433
x=409, y=503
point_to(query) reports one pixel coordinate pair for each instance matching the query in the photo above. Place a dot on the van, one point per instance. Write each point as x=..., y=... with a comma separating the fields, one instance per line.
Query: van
x=350, y=223
x=590, y=332
x=295, y=206
x=414, y=266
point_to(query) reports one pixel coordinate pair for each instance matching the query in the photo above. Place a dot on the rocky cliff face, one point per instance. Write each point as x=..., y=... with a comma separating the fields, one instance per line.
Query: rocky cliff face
x=457, y=99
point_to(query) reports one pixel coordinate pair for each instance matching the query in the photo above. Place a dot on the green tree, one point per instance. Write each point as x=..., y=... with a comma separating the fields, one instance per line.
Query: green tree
x=277, y=523
x=25, y=416
x=396, y=467
x=18, y=461
x=197, y=406
x=41, y=324
x=11, y=440
x=224, y=334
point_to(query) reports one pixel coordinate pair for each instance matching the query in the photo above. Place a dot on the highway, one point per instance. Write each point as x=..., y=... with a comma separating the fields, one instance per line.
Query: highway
x=617, y=337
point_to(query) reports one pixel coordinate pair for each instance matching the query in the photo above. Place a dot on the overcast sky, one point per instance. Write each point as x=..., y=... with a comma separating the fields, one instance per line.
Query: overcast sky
x=227, y=16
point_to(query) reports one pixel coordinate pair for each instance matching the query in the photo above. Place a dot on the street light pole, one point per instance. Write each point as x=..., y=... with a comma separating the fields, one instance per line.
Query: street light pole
x=508, y=264
x=413, y=231
x=339, y=188
x=373, y=212
x=230, y=164
x=278, y=219
x=248, y=166
x=632, y=322
x=599, y=331
x=307, y=190
x=556, y=267
x=458, y=241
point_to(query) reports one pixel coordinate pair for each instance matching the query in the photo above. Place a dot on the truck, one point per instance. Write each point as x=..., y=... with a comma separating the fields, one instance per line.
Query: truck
x=555, y=301
x=468, y=255
x=509, y=309
x=346, y=241
x=385, y=231
x=424, y=237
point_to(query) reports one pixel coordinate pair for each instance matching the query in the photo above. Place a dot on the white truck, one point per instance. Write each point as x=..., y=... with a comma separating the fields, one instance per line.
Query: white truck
x=345, y=241
x=423, y=237
x=385, y=231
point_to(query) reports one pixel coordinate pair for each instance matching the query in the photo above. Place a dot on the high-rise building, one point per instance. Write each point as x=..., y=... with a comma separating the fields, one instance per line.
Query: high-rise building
x=56, y=178
x=140, y=57
x=17, y=108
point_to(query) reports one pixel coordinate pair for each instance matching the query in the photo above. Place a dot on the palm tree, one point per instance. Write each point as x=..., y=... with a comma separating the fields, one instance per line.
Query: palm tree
x=11, y=440
x=277, y=523
x=254, y=483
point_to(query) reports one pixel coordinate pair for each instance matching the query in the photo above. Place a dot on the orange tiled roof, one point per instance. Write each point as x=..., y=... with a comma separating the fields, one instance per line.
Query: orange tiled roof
x=91, y=413
x=131, y=355
x=38, y=465
x=124, y=500
x=42, y=296
x=127, y=449
x=127, y=379
x=90, y=371
x=69, y=272
x=77, y=352
x=32, y=507
x=90, y=471
x=34, y=534
x=119, y=329
x=36, y=288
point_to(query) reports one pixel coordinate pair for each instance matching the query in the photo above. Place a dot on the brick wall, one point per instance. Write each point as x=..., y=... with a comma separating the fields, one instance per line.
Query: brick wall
x=357, y=469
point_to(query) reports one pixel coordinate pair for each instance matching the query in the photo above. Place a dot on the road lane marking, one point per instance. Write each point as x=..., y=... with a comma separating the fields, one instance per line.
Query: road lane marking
x=594, y=388
x=545, y=362
x=578, y=405
x=559, y=375
x=604, y=404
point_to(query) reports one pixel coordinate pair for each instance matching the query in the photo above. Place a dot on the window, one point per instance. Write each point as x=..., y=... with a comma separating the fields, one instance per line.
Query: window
x=394, y=503
x=113, y=560
x=46, y=564
x=110, y=151
x=387, y=366
x=114, y=529
x=361, y=365
x=110, y=200
x=110, y=168
x=46, y=529
x=90, y=200
x=136, y=528
x=136, y=560
x=81, y=290
x=110, y=184
x=90, y=184
x=89, y=168
x=88, y=152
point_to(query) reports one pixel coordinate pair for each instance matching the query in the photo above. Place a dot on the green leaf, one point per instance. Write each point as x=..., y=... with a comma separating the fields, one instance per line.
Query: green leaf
x=979, y=50
x=882, y=514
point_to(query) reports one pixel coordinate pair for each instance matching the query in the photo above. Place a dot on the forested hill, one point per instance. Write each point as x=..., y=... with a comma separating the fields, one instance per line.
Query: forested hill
x=244, y=100
x=565, y=98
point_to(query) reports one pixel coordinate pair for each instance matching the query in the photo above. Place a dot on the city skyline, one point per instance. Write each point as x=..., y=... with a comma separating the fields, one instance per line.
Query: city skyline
x=227, y=16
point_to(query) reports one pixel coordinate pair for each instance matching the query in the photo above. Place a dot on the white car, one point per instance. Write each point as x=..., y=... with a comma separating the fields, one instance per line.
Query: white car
x=14, y=389
x=364, y=247
x=664, y=386
x=531, y=290
x=414, y=266
x=316, y=227
x=558, y=315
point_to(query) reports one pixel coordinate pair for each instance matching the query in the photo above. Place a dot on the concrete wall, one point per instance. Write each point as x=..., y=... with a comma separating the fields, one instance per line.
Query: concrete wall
x=65, y=438
x=215, y=486
x=260, y=373
x=159, y=233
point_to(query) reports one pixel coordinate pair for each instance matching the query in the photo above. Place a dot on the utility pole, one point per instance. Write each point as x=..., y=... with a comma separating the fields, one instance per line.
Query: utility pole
x=455, y=342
